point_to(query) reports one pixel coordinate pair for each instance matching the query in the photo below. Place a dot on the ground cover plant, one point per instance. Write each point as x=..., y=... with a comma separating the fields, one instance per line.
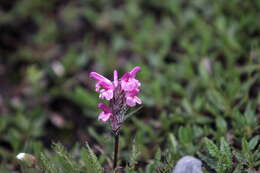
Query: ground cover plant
x=200, y=84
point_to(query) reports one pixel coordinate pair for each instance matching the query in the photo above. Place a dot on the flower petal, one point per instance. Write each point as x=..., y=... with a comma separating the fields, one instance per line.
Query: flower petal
x=130, y=85
x=126, y=85
x=106, y=94
x=135, y=71
x=130, y=101
x=102, y=80
x=138, y=100
x=115, y=78
x=104, y=107
x=134, y=92
x=104, y=117
x=126, y=76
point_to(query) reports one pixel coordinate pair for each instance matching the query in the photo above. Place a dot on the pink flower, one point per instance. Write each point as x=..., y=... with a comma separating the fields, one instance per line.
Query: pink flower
x=106, y=84
x=121, y=93
x=132, y=99
x=106, y=114
x=128, y=81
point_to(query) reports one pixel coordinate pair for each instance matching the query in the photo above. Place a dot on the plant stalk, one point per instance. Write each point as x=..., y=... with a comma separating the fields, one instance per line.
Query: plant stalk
x=116, y=149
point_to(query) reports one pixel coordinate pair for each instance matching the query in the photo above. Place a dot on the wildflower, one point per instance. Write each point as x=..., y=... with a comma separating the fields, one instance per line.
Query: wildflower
x=121, y=94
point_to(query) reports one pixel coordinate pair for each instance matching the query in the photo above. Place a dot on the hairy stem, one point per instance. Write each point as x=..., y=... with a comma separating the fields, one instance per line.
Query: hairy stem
x=116, y=149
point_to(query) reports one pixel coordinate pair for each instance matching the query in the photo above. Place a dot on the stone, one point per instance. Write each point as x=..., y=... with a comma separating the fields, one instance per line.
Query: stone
x=188, y=164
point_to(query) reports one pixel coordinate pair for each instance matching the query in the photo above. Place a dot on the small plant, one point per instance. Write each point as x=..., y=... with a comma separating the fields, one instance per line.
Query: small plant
x=121, y=94
x=60, y=162
x=223, y=155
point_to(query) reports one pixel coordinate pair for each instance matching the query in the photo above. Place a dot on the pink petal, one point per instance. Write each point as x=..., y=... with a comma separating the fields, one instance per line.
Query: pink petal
x=130, y=85
x=104, y=117
x=126, y=76
x=104, y=107
x=102, y=80
x=115, y=78
x=127, y=86
x=130, y=101
x=134, y=92
x=137, y=100
x=106, y=94
x=98, y=86
x=135, y=71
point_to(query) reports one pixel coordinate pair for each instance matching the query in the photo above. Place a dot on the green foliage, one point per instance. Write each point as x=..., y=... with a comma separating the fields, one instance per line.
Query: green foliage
x=91, y=161
x=212, y=148
x=62, y=161
x=133, y=159
x=67, y=161
x=222, y=154
x=250, y=155
x=248, y=159
x=48, y=165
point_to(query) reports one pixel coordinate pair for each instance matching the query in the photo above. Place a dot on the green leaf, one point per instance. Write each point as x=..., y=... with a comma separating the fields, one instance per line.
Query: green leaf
x=245, y=146
x=221, y=124
x=133, y=159
x=225, y=158
x=212, y=148
x=173, y=142
x=68, y=163
x=48, y=165
x=133, y=112
x=91, y=162
x=253, y=142
x=185, y=135
x=158, y=154
x=224, y=147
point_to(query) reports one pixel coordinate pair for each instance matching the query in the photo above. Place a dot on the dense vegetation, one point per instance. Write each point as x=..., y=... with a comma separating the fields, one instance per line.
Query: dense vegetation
x=200, y=83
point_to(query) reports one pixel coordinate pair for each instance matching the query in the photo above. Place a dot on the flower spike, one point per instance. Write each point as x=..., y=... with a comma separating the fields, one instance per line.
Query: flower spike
x=121, y=93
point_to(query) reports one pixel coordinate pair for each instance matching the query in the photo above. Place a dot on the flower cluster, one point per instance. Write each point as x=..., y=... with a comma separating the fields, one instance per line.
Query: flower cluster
x=121, y=93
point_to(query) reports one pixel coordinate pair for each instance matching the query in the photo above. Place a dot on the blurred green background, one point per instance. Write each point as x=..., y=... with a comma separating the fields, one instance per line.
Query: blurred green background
x=200, y=76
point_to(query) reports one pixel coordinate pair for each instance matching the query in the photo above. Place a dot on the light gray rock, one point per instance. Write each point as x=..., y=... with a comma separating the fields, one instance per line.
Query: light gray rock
x=188, y=164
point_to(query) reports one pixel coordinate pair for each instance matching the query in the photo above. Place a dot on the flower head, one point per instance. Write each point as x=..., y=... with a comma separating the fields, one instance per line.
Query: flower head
x=121, y=93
